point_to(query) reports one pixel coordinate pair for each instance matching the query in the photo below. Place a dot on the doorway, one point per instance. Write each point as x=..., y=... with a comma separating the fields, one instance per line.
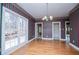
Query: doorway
x=38, y=30
x=67, y=31
x=56, y=30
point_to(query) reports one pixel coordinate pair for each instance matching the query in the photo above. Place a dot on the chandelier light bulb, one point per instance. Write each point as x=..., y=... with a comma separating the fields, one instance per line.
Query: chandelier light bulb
x=43, y=18
x=47, y=17
x=51, y=17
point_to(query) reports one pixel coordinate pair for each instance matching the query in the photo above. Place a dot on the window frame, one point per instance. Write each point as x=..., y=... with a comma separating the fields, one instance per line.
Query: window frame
x=3, y=25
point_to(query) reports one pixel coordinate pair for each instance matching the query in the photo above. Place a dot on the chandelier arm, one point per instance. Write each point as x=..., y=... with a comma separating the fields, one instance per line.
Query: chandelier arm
x=47, y=9
x=47, y=17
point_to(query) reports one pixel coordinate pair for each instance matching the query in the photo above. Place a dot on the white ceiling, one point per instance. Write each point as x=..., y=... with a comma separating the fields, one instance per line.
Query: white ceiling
x=38, y=10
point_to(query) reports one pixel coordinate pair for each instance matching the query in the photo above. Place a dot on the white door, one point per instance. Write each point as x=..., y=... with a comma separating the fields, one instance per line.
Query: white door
x=56, y=30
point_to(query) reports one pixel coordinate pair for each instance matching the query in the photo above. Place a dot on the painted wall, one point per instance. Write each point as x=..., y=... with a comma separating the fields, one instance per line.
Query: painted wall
x=31, y=25
x=74, y=24
x=47, y=28
x=31, y=29
x=0, y=24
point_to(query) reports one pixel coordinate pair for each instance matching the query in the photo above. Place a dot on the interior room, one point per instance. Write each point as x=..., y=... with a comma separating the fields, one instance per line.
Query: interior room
x=39, y=29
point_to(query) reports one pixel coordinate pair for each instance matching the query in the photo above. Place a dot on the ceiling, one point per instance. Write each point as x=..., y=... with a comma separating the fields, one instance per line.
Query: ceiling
x=39, y=10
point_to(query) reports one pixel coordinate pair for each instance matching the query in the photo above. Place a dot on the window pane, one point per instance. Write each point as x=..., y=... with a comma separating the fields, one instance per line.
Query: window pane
x=7, y=45
x=16, y=29
x=11, y=29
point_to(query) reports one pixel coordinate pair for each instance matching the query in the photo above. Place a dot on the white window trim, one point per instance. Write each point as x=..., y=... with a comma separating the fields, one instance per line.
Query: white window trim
x=3, y=27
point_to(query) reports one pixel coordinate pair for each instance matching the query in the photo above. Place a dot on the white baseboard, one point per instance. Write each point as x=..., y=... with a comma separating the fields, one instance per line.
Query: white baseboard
x=53, y=39
x=63, y=39
x=75, y=47
x=17, y=47
x=31, y=40
x=47, y=38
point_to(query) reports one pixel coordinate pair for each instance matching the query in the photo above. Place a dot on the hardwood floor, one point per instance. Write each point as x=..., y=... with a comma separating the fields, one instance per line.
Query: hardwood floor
x=46, y=47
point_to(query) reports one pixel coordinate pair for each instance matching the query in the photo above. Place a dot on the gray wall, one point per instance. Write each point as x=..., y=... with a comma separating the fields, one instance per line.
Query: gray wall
x=31, y=29
x=47, y=28
x=19, y=10
x=74, y=24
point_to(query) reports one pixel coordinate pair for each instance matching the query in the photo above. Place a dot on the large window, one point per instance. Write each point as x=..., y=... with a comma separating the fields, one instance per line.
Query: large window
x=22, y=29
x=16, y=29
x=11, y=32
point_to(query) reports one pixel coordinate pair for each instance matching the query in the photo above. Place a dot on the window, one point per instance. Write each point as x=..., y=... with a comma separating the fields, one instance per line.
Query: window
x=16, y=29
x=22, y=29
x=11, y=30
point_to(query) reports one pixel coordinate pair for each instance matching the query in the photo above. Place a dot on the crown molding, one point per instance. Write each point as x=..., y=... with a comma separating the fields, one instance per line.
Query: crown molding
x=74, y=9
x=26, y=14
x=20, y=8
x=55, y=18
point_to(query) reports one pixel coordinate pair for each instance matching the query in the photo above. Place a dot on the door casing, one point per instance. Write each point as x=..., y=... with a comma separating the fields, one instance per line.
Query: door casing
x=36, y=29
x=59, y=29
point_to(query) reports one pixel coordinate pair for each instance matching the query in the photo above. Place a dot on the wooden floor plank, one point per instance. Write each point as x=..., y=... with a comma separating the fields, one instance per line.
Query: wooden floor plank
x=46, y=47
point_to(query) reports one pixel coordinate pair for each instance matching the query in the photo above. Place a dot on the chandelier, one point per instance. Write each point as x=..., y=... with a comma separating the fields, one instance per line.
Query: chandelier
x=47, y=18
